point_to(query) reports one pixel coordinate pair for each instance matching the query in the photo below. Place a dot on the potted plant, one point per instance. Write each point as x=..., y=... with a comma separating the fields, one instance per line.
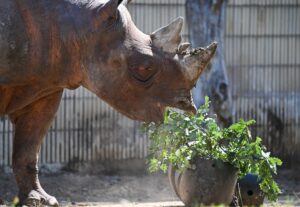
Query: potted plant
x=206, y=160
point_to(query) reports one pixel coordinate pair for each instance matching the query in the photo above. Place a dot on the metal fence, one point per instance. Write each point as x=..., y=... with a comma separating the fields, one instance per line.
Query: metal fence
x=262, y=43
x=262, y=55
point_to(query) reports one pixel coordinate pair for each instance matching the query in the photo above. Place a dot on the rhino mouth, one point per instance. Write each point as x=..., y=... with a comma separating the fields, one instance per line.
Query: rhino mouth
x=183, y=100
x=186, y=104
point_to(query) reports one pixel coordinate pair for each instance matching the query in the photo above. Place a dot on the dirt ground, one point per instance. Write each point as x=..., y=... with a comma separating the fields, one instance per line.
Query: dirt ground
x=138, y=190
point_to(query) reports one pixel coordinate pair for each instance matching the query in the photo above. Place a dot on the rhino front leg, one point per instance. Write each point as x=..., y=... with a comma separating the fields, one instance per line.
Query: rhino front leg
x=31, y=125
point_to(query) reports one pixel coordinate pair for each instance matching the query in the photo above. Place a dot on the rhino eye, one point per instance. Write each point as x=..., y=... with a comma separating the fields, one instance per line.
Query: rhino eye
x=143, y=73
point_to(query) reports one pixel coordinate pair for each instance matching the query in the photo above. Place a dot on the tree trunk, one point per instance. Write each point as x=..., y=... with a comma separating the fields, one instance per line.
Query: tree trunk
x=206, y=20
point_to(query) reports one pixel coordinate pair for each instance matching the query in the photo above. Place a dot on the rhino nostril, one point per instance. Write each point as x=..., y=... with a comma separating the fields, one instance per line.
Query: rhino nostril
x=182, y=103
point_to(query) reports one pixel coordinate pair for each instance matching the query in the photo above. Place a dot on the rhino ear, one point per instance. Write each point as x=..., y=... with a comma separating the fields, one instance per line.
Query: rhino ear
x=125, y=2
x=168, y=38
x=109, y=9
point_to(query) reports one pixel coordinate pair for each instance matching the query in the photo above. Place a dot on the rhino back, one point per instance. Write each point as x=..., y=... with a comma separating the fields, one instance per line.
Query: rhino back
x=11, y=41
x=37, y=48
x=35, y=37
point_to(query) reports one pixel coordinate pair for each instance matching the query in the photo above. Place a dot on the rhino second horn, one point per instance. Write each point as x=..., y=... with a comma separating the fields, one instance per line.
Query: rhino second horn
x=168, y=38
x=197, y=60
x=183, y=47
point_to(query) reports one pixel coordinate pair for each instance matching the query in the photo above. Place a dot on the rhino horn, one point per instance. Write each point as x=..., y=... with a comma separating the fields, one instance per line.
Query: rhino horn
x=197, y=60
x=168, y=38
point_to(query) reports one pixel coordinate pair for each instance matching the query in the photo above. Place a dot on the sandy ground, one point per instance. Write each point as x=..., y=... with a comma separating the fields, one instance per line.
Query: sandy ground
x=144, y=190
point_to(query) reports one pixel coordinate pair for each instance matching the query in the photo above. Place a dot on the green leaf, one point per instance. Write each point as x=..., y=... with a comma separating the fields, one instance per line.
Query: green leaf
x=164, y=167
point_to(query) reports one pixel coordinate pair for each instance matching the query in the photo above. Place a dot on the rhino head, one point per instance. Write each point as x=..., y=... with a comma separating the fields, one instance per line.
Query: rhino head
x=138, y=74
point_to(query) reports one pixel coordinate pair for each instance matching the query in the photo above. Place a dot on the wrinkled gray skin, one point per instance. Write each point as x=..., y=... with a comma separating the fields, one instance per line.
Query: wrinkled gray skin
x=49, y=45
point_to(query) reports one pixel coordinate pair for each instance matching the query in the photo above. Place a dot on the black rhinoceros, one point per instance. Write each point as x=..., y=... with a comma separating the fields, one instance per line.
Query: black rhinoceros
x=49, y=45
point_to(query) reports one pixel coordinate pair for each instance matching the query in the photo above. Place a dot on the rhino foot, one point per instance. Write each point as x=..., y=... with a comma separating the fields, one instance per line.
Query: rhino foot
x=36, y=199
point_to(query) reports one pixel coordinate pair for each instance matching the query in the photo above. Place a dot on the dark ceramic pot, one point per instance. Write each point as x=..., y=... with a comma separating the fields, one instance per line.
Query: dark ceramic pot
x=209, y=182
x=251, y=195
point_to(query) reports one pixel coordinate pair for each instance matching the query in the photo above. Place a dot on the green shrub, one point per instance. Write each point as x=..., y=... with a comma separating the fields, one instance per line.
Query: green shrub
x=182, y=137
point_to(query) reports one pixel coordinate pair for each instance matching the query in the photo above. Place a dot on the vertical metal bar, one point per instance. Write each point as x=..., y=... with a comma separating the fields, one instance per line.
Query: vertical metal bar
x=106, y=134
x=5, y=143
x=70, y=138
x=101, y=146
x=257, y=65
x=296, y=89
x=83, y=128
x=57, y=154
x=74, y=134
x=9, y=146
x=281, y=69
x=286, y=118
x=240, y=59
x=231, y=61
x=252, y=69
x=265, y=73
x=4, y=132
x=65, y=128
x=273, y=50
x=1, y=141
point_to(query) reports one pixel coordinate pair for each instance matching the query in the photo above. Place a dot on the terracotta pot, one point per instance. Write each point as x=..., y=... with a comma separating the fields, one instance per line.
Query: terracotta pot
x=209, y=182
